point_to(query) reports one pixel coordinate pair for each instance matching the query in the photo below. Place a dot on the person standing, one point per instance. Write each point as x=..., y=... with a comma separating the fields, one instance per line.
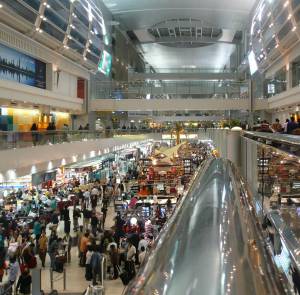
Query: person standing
x=114, y=258
x=24, y=282
x=68, y=242
x=285, y=125
x=83, y=248
x=53, y=249
x=37, y=228
x=43, y=242
x=277, y=127
x=13, y=270
x=291, y=126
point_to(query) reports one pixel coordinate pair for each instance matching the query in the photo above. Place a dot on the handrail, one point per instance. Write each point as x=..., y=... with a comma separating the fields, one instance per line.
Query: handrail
x=16, y=139
x=213, y=244
x=286, y=139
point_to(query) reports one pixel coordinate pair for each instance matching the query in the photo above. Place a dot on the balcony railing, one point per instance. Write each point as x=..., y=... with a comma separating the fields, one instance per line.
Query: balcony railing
x=170, y=89
x=189, y=70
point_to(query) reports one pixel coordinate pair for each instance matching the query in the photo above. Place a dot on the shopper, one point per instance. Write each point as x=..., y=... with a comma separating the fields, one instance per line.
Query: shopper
x=142, y=255
x=37, y=228
x=84, y=241
x=114, y=259
x=24, y=283
x=130, y=258
x=53, y=249
x=76, y=216
x=68, y=244
x=96, y=266
x=277, y=127
x=88, y=269
x=285, y=125
x=291, y=126
x=13, y=270
x=2, y=263
x=43, y=242
x=142, y=243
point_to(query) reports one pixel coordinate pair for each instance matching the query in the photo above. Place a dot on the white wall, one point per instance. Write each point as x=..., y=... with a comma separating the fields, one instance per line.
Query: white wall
x=19, y=92
x=67, y=84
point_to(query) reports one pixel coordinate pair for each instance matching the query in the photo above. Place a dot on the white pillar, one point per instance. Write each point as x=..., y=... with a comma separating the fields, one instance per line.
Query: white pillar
x=234, y=146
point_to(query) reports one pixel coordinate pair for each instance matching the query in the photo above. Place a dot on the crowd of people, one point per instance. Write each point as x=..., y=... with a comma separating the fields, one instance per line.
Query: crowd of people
x=25, y=246
x=290, y=126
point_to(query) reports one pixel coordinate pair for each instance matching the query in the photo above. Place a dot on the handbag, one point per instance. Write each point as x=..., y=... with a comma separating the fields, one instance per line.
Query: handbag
x=32, y=262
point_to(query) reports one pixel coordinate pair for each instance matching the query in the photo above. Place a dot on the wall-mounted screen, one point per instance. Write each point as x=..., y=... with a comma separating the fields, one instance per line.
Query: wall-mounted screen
x=19, y=67
x=105, y=63
x=252, y=63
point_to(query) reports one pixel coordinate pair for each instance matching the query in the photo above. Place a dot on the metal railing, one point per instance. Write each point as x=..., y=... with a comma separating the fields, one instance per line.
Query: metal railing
x=170, y=89
x=213, y=243
x=189, y=70
x=15, y=139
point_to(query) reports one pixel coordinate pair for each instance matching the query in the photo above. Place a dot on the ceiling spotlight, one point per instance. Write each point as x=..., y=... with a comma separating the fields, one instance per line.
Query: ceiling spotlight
x=1, y=5
x=294, y=29
x=66, y=46
x=286, y=4
x=277, y=45
x=290, y=16
x=48, y=6
x=40, y=31
x=84, y=58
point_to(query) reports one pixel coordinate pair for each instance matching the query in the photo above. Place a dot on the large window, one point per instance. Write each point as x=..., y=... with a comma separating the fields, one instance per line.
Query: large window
x=296, y=73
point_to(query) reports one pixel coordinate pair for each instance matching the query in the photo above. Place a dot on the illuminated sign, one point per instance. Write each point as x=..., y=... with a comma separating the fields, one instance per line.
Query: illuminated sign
x=105, y=63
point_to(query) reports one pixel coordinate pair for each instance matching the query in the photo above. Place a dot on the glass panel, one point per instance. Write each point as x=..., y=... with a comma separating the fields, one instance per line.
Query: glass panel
x=34, y=4
x=21, y=10
x=48, y=28
x=297, y=16
x=282, y=18
x=285, y=30
x=271, y=45
x=55, y=19
x=65, y=3
x=93, y=58
x=61, y=10
x=78, y=37
x=81, y=14
x=76, y=46
x=295, y=3
x=296, y=73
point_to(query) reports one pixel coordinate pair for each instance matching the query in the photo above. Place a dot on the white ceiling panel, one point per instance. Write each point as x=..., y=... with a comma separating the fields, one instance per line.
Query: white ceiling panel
x=138, y=14
x=213, y=56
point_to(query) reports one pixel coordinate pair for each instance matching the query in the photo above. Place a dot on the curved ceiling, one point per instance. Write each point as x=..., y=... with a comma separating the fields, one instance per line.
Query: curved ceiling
x=141, y=16
x=138, y=14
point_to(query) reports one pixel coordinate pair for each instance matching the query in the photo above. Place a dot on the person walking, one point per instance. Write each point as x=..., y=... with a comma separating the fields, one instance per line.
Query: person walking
x=43, y=242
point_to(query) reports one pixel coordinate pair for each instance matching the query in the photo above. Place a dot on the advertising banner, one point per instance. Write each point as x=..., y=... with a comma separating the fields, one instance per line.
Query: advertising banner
x=19, y=67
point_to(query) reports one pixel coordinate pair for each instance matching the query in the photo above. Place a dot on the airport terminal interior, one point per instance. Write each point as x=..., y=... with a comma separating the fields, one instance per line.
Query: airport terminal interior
x=150, y=147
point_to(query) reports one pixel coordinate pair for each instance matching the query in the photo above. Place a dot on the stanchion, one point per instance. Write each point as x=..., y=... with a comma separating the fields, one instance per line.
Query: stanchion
x=65, y=280
x=51, y=279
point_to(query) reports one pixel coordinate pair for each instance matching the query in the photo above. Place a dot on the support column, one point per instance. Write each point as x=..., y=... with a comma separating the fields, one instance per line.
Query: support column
x=289, y=76
x=234, y=146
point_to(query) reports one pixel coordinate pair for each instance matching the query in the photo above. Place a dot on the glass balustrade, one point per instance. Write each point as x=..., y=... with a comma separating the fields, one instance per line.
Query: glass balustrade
x=170, y=89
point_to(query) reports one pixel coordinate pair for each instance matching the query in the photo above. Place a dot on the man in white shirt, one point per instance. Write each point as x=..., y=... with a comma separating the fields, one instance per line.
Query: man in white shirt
x=142, y=243
x=131, y=251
